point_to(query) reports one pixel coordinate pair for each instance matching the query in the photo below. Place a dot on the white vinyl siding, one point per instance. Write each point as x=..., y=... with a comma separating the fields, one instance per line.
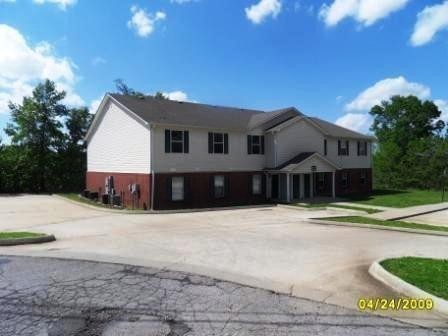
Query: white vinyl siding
x=302, y=137
x=198, y=159
x=120, y=144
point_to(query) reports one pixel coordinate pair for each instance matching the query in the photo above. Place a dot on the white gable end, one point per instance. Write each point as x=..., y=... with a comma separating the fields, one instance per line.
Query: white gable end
x=119, y=143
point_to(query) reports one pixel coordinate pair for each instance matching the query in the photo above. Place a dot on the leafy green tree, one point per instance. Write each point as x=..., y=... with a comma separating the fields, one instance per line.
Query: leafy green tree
x=36, y=125
x=406, y=128
x=124, y=89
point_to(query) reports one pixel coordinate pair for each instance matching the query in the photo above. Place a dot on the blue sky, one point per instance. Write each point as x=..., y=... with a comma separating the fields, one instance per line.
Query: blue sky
x=333, y=59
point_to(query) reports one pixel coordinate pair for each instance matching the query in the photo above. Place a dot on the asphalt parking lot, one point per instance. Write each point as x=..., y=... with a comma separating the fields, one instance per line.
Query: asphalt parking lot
x=272, y=248
x=54, y=297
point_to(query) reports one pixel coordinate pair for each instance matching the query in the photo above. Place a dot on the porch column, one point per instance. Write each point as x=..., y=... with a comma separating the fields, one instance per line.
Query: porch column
x=288, y=188
x=333, y=186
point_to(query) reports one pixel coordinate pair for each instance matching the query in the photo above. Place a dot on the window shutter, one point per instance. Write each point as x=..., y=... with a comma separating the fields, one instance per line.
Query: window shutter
x=325, y=147
x=210, y=143
x=226, y=143
x=249, y=144
x=263, y=185
x=167, y=141
x=226, y=186
x=169, y=188
x=359, y=145
x=348, y=148
x=186, y=141
x=211, y=186
x=262, y=144
x=339, y=147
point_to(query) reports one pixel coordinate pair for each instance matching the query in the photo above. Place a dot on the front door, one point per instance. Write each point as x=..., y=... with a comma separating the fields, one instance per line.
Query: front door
x=307, y=185
x=296, y=187
x=274, y=187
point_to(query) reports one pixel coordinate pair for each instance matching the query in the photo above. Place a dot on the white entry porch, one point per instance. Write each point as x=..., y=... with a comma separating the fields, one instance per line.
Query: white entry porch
x=304, y=177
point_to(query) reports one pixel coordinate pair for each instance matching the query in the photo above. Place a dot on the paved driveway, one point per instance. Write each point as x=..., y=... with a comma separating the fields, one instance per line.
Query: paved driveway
x=273, y=248
x=78, y=298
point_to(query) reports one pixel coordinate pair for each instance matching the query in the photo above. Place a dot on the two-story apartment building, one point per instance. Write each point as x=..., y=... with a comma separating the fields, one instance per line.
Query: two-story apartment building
x=186, y=155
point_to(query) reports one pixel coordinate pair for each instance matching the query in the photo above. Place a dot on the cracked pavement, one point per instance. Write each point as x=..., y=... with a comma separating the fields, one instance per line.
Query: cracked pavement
x=45, y=296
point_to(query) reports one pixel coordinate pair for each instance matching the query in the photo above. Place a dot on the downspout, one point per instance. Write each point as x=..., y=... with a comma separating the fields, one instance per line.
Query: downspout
x=151, y=146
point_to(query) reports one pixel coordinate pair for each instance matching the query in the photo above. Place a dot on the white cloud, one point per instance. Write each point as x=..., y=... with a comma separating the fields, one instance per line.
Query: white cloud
x=95, y=104
x=62, y=4
x=385, y=89
x=98, y=60
x=357, y=117
x=176, y=95
x=359, y=122
x=366, y=12
x=429, y=22
x=259, y=12
x=443, y=106
x=143, y=22
x=22, y=66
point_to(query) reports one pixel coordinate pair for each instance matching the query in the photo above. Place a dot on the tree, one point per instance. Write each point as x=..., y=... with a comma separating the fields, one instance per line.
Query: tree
x=124, y=89
x=36, y=127
x=405, y=127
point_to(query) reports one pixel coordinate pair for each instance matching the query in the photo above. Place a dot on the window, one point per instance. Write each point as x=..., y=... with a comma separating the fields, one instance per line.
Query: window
x=255, y=144
x=344, y=180
x=343, y=148
x=176, y=141
x=177, y=188
x=325, y=147
x=256, y=184
x=362, y=148
x=363, y=178
x=218, y=143
x=219, y=186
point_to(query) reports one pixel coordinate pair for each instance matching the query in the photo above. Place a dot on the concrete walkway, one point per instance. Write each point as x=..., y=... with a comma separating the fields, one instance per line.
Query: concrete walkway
x=360, y=205
x=402, y=213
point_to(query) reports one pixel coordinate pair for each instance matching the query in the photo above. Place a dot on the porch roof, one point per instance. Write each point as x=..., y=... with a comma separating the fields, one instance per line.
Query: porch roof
x=314, y=158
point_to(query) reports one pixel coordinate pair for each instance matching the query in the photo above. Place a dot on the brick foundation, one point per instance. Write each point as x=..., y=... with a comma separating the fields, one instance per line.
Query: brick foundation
x=355, y=187
x=95, y=182
x=198, y=192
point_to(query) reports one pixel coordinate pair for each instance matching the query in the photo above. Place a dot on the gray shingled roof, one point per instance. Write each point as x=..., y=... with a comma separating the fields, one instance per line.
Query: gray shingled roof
x=295, y=160
x=171, y=112
x=188, y=114
x=338, y=131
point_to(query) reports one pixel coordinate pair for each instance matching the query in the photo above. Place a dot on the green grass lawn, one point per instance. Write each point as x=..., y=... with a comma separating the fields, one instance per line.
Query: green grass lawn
x=324, y=205
x=430, y=275
x=16, y=235
x=399, y=198
x=401, y=224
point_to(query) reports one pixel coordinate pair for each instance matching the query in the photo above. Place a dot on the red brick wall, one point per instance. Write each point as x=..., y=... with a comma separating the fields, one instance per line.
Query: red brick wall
x=197, y=190
x=354, y=185
x=95, y=183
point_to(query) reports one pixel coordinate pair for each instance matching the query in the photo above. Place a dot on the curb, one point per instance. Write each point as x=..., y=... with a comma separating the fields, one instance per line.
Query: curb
x=24, y=241
x=160, y=212
x=379, y=227
x=286, y=206
x=402, y=287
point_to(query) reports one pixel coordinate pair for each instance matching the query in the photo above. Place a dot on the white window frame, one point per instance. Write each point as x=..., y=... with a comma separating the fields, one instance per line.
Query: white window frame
x=256, y=145
x=363, y=148
x=172, y=141
x=219, y=178
x=344, y=147
x=363, y=178
x=218, y=143
x=177, y=194
x=257, y=186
